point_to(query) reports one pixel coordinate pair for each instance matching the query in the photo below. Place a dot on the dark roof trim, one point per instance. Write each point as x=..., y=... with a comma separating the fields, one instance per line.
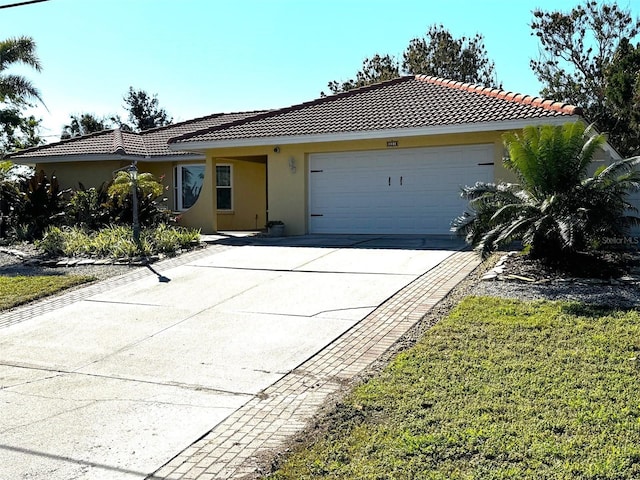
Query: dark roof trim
x=105, y=157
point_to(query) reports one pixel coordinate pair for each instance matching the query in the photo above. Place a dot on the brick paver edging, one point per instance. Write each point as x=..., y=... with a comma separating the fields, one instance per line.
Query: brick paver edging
x=230, y=450
x=41, y=307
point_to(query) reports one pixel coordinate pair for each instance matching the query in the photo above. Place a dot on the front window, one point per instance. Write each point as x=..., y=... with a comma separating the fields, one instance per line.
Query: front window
x=223, y=187
x=188, y=184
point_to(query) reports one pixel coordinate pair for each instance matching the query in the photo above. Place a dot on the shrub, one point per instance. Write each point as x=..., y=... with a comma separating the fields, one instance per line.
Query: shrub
x=77, y=241
x=556, y=209
x=89, y=207
x=53, y=242
x=115, y=241
x=43, y=203
x=30, y=204
x=166, y=239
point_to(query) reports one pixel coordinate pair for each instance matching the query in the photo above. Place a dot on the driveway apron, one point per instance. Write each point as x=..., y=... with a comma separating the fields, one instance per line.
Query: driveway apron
x=116, y=383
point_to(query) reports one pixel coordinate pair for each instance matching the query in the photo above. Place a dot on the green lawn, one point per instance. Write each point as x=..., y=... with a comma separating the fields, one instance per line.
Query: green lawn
x=15, y=291
x=499, y=389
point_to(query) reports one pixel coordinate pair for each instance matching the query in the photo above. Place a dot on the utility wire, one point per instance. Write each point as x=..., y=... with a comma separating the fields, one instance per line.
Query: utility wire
x=19, y=4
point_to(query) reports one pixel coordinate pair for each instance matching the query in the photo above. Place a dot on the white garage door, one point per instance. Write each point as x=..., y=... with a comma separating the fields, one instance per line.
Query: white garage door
x=399, y=191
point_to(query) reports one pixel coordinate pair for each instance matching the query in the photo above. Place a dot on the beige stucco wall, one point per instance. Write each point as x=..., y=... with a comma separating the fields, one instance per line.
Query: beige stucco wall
x=164, y=174
x=249, y=198
x=90, y=174
x=249, y=190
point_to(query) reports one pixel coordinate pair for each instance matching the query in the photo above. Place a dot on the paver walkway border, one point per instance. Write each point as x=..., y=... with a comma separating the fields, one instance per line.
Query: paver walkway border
x=230, y=450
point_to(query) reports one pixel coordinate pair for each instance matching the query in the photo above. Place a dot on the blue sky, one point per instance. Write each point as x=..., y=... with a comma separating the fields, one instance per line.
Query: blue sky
x=207, y=56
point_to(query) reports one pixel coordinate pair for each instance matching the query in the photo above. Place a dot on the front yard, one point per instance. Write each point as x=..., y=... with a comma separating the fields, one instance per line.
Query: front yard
x=499, y=389
x=18, y=290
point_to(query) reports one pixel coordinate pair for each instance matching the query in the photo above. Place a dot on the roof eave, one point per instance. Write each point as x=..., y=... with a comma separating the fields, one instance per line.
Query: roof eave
x=502, y=125
x=607, y=147
x=103, y=157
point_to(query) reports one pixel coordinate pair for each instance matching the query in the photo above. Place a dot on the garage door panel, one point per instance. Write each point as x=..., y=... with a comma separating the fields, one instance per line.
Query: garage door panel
x=393, y=191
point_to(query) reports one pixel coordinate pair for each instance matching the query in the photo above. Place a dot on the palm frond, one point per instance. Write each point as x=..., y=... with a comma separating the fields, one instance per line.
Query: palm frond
x=512, y=231
x=487, y=244
x=618, y=168
x=511, y=211
x=19, y=50
x=16, y=87
x=479, y=189
x=589, y=149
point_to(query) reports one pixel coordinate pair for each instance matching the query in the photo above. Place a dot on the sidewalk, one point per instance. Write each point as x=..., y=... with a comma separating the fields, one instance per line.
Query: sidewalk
x=262, y=425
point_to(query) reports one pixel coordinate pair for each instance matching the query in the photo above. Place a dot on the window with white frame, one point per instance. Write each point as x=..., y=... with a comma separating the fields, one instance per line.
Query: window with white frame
x=188, y=183
x=224, y=189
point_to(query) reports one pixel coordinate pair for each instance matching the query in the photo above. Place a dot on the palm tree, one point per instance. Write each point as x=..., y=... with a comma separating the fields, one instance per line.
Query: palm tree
x=148, y=193
x=556, y=209
x=16, y=88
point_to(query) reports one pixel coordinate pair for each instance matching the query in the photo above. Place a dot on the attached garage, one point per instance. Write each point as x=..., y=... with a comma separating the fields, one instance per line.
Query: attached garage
x=394, y=191
x=328, y=170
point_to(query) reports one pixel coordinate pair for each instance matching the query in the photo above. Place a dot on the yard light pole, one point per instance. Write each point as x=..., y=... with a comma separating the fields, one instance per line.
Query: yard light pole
x=133, y=173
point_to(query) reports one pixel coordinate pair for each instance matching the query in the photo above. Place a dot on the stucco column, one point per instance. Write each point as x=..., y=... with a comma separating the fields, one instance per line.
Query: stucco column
x=287, y=189
x=203, y=214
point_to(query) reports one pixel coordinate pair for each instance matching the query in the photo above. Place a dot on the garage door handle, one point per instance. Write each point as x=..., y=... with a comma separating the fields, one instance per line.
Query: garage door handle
x=400, y=181
x=389, y=181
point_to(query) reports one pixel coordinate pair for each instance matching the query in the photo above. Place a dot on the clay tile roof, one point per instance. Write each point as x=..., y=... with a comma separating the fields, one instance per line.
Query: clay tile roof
x=156, y=139
x=404, y=103
x=150, y=143
x=411, y=102
x=99, y=143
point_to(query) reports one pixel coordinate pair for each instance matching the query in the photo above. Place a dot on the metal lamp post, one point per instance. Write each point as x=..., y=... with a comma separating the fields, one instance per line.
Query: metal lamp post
x=133, y=173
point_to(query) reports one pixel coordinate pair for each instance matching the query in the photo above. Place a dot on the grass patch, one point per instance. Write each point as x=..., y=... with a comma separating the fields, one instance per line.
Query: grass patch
x=500, y=389
x=18, y=290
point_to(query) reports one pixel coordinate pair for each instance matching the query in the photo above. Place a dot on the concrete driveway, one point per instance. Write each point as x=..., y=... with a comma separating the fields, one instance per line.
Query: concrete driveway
x=118, y=383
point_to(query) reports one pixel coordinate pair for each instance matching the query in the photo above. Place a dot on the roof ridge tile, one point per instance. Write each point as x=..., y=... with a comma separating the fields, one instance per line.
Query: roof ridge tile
x=546, y=104
x=118, y=142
